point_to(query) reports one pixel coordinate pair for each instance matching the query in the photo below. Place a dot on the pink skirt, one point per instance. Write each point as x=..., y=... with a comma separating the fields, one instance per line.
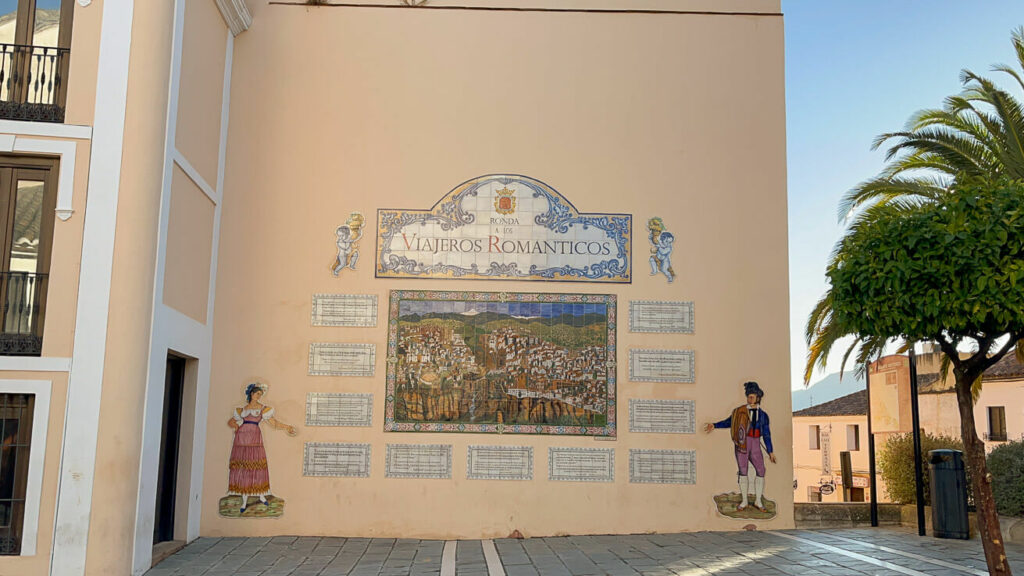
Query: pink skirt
x=248, y=475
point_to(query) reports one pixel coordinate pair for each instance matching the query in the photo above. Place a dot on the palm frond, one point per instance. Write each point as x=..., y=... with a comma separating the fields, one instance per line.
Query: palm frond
x=976, y=389
x=962, y=152
x=961, y=116
x=885, y=190
x=1010, y=71
x=1006, y=107
x=977, y=134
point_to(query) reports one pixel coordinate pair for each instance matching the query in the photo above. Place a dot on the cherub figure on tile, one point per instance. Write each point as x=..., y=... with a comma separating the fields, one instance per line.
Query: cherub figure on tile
x=348, y=235
x=661, y=248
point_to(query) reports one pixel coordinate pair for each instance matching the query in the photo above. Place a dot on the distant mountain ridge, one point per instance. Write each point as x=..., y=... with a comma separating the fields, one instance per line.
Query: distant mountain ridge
x=827, y=389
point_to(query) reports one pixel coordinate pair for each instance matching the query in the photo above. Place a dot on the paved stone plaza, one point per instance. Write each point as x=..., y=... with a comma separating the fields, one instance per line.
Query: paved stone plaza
x=795, y=552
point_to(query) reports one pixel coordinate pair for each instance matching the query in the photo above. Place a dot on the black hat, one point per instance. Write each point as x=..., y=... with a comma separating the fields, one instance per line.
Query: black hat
x=752, y=388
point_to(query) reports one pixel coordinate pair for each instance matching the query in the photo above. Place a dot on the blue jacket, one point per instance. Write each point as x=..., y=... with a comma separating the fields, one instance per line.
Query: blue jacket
x=760, y=425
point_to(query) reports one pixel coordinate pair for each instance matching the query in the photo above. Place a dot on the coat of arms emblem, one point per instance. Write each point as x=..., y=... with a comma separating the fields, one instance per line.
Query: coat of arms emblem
x=505, y=202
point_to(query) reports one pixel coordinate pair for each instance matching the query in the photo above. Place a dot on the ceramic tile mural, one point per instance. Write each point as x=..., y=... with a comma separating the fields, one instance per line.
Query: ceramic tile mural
x=661, y=248
x=248, y=472
x=504, y=227
x=349, y=234
x=750, y=431
x=512, y=363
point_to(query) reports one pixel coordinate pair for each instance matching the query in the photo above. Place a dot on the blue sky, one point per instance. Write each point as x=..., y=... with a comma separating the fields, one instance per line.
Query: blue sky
x=856, y=69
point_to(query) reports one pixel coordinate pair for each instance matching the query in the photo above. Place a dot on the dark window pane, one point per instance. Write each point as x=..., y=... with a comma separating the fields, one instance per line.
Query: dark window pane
x=15, y=434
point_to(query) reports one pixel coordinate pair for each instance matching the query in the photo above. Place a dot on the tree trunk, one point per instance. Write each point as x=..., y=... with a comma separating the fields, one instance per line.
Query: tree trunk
x=974, y=448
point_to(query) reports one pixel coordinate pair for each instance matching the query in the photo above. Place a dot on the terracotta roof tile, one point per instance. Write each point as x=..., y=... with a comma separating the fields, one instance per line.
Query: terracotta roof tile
x=1007, y=368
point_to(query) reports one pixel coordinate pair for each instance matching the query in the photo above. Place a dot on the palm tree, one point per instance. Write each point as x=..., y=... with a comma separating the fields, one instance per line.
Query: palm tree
x=977, y=136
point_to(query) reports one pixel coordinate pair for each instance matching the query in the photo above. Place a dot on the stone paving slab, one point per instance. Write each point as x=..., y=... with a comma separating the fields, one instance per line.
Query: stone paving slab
x=850, y=552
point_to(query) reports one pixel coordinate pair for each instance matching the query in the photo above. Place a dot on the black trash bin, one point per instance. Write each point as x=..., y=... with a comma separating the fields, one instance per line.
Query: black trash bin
x=949, y=494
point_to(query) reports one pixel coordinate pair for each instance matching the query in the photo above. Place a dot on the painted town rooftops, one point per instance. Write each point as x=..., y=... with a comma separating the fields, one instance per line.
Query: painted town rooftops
x=855, y=404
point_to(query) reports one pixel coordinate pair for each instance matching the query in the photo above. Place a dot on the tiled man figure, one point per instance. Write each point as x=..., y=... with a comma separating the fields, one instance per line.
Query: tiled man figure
x=749, y=425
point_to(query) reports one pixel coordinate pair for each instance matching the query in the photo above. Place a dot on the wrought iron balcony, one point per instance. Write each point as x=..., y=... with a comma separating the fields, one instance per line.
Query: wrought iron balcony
x=32, y=82
x=24, y=300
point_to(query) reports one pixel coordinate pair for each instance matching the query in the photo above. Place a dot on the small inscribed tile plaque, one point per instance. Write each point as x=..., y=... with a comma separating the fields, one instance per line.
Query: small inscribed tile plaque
x=662, y=416
x=663, y=466
x=350, y=310
x=499, y=463
x=660, y=316
x=337, y=460
x=661, y=366
x=581, y=464
x=323, y=409
x=418, y=461
x=335, y=359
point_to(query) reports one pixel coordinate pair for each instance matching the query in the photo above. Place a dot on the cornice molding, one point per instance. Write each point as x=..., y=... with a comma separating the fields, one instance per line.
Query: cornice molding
x=236, y=14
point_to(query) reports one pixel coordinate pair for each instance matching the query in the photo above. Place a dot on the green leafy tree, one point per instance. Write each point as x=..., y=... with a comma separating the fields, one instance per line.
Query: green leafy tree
x=932, y=252
x=1006, y=464
x=949, y=271
x=896, y=465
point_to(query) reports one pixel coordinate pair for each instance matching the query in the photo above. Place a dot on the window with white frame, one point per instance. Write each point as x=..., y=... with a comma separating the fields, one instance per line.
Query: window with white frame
x=814, y=437
x=997, y=423
x=853, y=437
x=16, y=411
x=24, y=410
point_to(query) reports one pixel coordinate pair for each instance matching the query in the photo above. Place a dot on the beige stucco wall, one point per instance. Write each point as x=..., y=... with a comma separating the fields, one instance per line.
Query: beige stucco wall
x=190, y=227
x=1005, y=393
x=85, y=48
x=890, y=403
x=189, y=247
x=202, y=82
x=720, y=6
x=62, y=290
x=808, y=464
x=111, y=527
x=336, y=110
x=940, y=415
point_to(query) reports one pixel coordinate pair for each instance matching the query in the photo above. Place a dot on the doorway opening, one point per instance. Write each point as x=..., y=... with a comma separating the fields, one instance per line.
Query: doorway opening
x=170, y=442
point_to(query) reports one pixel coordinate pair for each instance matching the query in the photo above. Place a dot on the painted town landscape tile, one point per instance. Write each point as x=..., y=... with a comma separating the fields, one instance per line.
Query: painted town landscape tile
x=512, y=363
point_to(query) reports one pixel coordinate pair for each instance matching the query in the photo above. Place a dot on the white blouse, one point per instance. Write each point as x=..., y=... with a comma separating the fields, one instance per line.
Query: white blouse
x=241, y=413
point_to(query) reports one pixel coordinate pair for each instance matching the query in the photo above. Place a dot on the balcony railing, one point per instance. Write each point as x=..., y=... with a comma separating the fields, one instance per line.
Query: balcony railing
x=24, y=299
x=32, y=82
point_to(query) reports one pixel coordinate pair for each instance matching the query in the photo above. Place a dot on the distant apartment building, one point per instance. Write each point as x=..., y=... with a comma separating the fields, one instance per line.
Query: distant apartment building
x=822, y=432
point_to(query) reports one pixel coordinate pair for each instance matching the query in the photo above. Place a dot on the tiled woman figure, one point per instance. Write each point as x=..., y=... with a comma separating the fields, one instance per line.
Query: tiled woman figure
x=249, y=474
x=749, y=426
